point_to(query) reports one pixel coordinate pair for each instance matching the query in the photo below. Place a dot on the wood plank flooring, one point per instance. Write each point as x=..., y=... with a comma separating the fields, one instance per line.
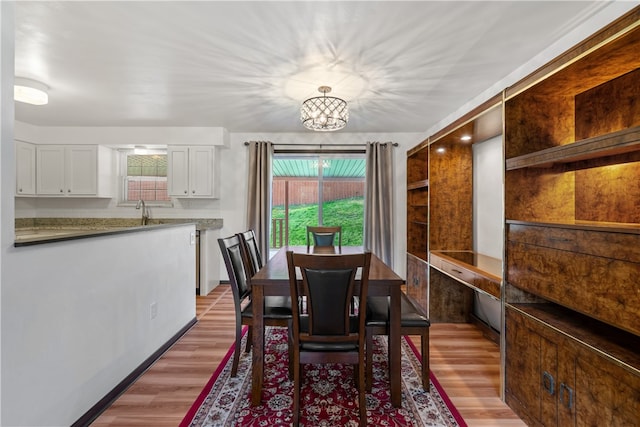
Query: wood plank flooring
x=464, y=362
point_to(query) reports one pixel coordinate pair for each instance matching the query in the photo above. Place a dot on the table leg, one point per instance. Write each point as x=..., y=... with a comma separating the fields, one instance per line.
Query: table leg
x=395, y=359
x=257, y=371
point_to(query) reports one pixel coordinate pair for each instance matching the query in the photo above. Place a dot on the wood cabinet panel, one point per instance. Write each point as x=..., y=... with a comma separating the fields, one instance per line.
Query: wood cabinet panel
x=609, y=193
x=417, y=281
x=451, y=196
x=606, y=394
x=553, y=379
x=449, y=300
x=609, y=107
x=600, y=287
x=544, y=195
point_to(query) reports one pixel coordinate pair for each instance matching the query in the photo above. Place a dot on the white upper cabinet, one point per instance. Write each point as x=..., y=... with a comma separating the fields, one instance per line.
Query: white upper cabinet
x=74, y=171
x=25, y=169
x=192, y=171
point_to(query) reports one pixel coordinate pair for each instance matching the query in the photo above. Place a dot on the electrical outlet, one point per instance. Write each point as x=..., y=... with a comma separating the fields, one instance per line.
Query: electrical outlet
x=153, y=310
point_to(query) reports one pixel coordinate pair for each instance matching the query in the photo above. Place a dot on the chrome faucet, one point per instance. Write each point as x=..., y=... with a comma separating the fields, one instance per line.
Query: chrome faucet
x=145, y=212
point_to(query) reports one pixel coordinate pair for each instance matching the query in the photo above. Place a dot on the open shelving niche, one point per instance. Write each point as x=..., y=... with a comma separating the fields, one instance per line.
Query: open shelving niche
x=572, y=209
x=444, y=273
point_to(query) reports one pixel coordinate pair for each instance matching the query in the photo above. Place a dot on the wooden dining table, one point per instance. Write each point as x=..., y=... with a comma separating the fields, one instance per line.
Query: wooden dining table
x=273, y=279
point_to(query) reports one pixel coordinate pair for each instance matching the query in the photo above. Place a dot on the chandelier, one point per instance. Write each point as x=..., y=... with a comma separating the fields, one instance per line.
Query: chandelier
x=324, y=113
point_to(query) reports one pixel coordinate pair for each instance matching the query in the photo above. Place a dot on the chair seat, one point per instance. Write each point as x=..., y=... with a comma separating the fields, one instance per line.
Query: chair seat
x=327, y=346
x=274, y=308
x=378, y=313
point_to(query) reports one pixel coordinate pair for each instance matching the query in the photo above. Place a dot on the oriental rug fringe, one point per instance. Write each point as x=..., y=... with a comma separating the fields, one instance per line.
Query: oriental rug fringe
x=329, y=394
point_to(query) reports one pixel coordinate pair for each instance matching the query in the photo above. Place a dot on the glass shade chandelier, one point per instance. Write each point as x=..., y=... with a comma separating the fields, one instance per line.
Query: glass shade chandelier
x=324, y=113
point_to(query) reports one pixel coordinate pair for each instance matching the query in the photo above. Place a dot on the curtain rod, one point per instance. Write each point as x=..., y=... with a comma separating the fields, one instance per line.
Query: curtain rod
x=395, y=144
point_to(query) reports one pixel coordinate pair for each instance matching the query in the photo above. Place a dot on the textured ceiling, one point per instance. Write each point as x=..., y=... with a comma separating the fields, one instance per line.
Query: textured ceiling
x=247, y=66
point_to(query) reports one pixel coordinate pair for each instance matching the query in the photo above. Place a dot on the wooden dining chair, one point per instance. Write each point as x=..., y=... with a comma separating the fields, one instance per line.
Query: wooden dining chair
x=324, y=236
x=412, y=322
x=328, y=332
x=250, y=246
x=277, y=310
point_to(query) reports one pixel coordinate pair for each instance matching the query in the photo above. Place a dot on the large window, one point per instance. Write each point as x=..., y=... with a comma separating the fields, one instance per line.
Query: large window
x=145, y=177
x=318, y=189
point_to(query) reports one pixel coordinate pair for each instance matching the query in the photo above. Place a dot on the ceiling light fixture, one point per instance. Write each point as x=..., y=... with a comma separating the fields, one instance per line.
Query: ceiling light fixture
x=324, y=113
x=30, y=91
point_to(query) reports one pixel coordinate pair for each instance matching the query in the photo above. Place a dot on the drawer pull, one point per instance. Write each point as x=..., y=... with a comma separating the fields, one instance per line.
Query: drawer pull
x=569, y=391
x=548, y=383
x=559, y=239
x=456, y=271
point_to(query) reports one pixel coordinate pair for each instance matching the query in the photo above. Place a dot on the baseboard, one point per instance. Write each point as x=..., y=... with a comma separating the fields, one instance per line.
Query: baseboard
x=487, y=331
x=110, y=397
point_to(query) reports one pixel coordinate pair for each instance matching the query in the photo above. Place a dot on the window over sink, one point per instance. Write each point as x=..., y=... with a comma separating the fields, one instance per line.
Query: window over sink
x=144, y=177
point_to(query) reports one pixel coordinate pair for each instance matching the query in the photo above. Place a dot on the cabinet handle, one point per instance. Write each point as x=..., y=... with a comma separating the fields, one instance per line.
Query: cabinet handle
x=193, y=191
x=69, y=191
x=61, y=190
x=416, y=282
x=19, y=190
x=186, y=192
x=548, y=383
x=566, y=402
x=456, y=271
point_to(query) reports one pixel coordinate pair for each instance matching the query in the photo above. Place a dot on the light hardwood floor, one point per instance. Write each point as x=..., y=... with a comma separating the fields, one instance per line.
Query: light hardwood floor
x=465, y=364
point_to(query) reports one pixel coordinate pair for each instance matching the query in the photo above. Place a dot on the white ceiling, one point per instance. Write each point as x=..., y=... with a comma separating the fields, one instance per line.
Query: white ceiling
x=247, y=66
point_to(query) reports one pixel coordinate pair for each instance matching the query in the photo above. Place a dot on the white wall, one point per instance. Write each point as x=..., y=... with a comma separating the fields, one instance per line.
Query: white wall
x=76, y=318
x=488, y=217
x=488, y=204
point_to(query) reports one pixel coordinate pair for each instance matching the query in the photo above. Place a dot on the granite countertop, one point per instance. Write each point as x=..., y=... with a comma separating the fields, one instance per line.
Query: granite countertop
x=32, y=231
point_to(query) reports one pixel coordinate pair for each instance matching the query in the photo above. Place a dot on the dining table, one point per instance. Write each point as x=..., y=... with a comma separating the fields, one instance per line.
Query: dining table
x=273, y=280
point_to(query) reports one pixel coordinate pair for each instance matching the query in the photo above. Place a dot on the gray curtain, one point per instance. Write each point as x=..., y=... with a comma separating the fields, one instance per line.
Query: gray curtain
x=378, y=209
x=259, y=193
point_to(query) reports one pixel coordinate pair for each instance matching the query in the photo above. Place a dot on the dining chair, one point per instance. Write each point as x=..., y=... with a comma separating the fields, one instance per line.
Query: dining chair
x=277, y=309
x=328, y=332
x=250, y=246
x=412, y=322
x=324, y=236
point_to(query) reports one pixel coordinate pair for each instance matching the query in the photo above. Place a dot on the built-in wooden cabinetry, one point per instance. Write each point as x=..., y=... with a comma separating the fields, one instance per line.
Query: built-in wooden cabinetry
x=457, y=271
x=192, y=171
x=73, y=171
x=572, y=209
x=417, y=222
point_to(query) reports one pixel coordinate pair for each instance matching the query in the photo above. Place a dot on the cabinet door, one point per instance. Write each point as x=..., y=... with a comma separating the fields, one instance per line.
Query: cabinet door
x=605, y=395
x=81, y=170
x=531, y=369
x=417, y=283
x=25, y=169
x=201, y=171
x=50, y=170
x=178, y=171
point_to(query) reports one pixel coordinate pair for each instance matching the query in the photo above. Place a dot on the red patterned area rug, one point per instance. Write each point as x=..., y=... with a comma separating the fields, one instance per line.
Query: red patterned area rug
x=329, y=395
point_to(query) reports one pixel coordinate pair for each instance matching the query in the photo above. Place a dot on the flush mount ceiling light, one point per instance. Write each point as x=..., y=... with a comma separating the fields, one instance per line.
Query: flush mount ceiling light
x=324, y=113
x=30, y=91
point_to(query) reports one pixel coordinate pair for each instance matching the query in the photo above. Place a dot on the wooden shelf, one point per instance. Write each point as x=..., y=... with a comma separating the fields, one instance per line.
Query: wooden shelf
x=478, y=271
x=620, y=142
x=610, y=227
x=418, y=184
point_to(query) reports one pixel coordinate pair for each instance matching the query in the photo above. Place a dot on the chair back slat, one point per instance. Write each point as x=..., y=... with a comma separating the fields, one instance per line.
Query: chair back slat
x=250, y=245
x=329, y=293
x=324, y=236
x=234, y=261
